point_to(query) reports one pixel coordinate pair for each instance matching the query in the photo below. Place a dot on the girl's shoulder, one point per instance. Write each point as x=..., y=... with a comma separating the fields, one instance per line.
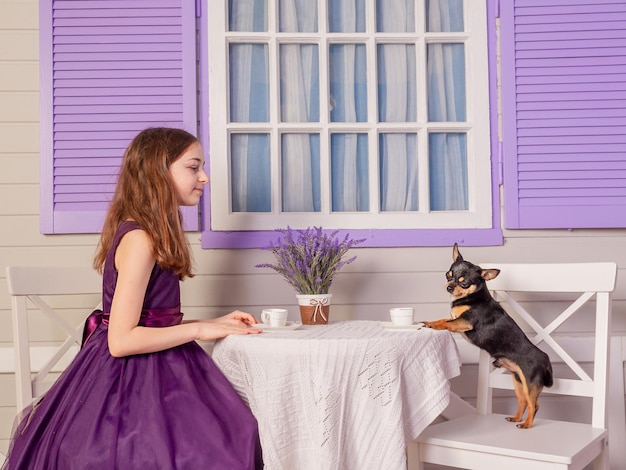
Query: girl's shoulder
x=128, y=225
x=124, y=228
x=131, y=234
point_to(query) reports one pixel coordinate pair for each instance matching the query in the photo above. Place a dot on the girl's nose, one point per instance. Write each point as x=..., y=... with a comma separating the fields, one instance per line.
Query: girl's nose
x=204, y=178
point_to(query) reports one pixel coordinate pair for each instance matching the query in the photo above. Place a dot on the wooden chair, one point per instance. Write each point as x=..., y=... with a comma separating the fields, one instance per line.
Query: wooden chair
x=486, y=440
x=31, y=286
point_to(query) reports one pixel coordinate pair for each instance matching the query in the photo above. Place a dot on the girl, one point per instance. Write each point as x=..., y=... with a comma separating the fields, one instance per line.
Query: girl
x=141, y=393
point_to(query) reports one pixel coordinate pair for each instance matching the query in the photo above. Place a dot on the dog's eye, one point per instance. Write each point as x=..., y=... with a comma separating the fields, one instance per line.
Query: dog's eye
x=465, y=284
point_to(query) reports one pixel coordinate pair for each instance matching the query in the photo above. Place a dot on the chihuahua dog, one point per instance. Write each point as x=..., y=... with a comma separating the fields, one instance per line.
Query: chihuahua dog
x=485, y=324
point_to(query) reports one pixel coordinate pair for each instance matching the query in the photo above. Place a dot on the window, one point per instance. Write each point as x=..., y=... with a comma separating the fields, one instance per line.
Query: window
x=349, y=114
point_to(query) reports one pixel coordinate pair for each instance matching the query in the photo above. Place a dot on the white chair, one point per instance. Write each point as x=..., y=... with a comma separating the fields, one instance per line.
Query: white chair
x=486, y=441
x=31, y=286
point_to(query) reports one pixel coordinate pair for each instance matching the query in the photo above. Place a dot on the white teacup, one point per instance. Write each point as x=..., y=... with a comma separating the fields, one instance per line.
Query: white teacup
x=274, y=316
x=401, y=316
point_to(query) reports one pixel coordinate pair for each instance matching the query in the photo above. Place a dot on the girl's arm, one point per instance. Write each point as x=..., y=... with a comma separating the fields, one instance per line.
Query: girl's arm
x=134, y=260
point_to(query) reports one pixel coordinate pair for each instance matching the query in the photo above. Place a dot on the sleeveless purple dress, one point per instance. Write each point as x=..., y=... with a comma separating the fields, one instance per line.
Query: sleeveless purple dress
x=172, y=409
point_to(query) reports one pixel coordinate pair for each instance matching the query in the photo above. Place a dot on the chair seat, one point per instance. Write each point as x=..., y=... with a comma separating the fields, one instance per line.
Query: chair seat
x=558, y=442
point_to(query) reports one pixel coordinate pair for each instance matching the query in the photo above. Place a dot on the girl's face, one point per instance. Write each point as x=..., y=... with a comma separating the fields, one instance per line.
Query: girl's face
x=188, y=175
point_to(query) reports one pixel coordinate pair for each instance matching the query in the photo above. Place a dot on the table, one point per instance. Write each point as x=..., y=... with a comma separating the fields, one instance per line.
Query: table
x=347, y=395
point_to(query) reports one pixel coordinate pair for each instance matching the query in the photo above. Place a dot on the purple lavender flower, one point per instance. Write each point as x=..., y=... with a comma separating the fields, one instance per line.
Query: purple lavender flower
x=308, y=259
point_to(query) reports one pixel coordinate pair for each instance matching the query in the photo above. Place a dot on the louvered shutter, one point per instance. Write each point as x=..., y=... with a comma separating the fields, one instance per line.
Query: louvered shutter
x=109, y=68
x=564, y=113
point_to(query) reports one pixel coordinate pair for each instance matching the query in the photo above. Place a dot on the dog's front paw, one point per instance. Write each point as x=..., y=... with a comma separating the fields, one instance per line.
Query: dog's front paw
x=437, y=324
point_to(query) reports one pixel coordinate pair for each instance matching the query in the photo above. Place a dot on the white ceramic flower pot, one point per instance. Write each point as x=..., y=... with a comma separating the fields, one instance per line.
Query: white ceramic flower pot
x=314, y=309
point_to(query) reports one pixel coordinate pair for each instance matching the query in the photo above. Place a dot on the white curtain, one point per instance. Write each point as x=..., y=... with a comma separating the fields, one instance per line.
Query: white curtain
x=345, y=97
x=398, y=152
x=348, y=88
x=249, y=94
x=299, y=82
x=446, y=102
x=397, y=101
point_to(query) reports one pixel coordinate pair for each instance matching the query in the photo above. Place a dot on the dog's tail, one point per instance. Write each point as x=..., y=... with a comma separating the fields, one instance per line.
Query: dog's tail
x=548, y=381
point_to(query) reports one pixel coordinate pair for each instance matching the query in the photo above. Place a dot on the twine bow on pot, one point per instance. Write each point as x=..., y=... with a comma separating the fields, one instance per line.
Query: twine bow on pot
x=319, y=304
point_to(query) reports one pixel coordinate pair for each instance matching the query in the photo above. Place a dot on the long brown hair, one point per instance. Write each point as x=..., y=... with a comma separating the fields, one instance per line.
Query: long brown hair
x=145, y=193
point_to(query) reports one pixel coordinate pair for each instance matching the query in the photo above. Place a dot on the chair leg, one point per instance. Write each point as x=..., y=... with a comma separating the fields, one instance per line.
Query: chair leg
x=412, y=457
x=617, y=414
x=602, y=461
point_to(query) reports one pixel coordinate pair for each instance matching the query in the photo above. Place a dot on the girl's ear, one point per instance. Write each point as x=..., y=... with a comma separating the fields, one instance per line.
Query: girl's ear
x=489, y=274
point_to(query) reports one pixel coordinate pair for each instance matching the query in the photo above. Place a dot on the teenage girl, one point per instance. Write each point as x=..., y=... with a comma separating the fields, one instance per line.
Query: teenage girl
x=141, y=393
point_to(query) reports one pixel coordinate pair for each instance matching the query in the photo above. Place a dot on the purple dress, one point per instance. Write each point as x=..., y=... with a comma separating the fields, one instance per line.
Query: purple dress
x=172, y=409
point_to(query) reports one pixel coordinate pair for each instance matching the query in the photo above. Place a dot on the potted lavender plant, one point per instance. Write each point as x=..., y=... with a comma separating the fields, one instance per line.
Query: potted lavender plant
x=308, y=260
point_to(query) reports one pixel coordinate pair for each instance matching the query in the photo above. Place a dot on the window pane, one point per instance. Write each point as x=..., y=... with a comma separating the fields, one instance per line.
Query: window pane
x=395, y=16
x=398, y=172
x=297, y=16
x=249, y=89
x=444, y=16
x=250, y=172
x=448, y=171
x=446, y=82
x=300, y=168
x=346, y=16
x=348, y=83
x=247, y=15
x=299, y=83
x=349, y=173
x=397, y=83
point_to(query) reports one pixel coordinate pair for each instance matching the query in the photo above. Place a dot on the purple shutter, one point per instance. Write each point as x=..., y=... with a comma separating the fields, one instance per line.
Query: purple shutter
x=564, y=113
x=108, y=69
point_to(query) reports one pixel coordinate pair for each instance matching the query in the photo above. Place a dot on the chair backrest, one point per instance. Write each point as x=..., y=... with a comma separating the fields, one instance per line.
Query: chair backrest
x=576, y=285
x=34, y=286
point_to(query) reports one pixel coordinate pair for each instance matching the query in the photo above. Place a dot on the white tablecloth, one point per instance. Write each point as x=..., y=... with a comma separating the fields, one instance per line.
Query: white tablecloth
x=347, y=395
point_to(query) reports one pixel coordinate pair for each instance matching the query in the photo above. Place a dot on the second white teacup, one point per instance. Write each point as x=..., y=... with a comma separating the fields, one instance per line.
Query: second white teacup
x=401, y=316
x=275, y=317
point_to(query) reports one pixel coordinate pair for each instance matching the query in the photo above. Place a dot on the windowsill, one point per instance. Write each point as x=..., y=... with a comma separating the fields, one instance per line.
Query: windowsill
x=373, y=238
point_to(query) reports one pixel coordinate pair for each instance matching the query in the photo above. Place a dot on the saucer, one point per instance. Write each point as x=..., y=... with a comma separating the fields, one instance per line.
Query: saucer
x=291, y=325
x=390, y=326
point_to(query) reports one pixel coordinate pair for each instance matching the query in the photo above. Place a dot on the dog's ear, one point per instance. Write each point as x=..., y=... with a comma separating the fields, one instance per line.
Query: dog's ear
x=489, y=274
x=456, y=254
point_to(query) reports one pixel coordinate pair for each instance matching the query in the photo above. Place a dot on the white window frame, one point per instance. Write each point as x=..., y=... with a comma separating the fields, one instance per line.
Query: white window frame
x=480, y=212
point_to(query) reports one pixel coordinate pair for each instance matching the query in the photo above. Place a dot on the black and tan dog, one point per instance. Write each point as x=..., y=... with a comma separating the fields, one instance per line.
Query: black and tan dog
x=485, y=324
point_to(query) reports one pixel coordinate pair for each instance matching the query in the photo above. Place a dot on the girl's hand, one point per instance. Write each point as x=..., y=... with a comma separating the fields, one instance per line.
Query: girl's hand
x=222, y=327
x=237, y=318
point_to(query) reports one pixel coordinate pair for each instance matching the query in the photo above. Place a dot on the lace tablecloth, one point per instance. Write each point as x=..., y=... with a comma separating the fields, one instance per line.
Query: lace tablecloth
x=347, y=395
